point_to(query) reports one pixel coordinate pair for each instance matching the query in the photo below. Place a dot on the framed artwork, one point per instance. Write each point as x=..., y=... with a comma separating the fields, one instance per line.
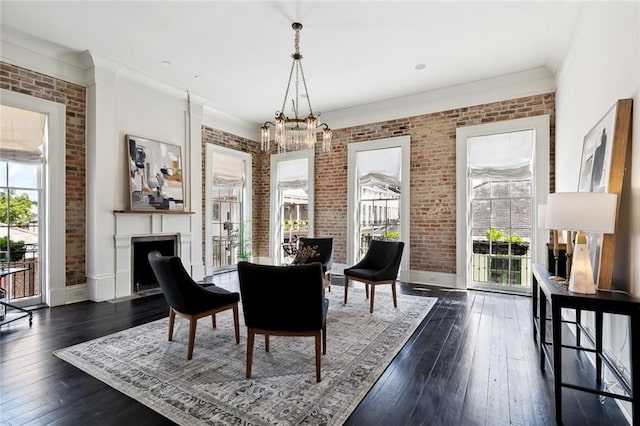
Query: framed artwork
x=155, y=175
x=602, y=170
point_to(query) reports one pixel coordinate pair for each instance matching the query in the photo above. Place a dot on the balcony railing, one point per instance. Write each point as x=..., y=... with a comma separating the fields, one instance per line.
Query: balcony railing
x=20, y=279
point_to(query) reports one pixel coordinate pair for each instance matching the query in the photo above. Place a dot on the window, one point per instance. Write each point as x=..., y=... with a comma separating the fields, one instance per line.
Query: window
x=378, y=196
x=228, y=208
x=502, y=173
x=292, y=193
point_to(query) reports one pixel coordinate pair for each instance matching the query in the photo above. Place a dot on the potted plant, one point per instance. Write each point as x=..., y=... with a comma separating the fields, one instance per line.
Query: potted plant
x=16, y=250
x=498, y=243
x=242, y=241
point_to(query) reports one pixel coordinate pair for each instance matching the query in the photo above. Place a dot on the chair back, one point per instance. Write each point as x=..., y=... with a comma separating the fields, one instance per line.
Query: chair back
x=384, y=255
x=176, y=284
x=324, y=250
x=287, y=298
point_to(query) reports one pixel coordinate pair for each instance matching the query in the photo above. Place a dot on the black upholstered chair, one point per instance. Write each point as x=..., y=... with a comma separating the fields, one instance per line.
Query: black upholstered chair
x=324, y=254
x=283, y=301
x=378, y=266
x=188, y=299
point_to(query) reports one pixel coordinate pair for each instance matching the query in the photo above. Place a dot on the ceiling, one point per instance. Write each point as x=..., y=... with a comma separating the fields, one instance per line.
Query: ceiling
x=355, y=53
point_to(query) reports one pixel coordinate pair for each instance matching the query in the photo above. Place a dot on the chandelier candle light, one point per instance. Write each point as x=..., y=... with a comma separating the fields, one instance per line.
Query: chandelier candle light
x=295, y=133
x=582, y=212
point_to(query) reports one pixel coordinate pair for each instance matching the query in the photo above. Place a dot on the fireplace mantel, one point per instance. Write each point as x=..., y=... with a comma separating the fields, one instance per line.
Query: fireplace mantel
x=132, y=224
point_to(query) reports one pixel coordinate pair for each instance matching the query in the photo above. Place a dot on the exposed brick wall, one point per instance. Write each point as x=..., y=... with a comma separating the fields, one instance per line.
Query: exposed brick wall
x=41, y=86
x=433, y=175
x=260, y=224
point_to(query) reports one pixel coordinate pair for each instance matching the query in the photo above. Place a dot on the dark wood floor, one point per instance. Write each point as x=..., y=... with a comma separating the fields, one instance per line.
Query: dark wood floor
x=471, y=362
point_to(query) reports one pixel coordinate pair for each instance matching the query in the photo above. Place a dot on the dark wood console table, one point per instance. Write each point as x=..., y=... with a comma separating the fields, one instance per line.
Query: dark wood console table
x=546, y=291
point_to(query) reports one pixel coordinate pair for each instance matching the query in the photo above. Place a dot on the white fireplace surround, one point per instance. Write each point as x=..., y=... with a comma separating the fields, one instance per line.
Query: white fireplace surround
x=130, y=225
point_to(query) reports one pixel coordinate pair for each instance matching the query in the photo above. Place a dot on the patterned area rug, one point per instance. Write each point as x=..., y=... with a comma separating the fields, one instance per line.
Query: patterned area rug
x=212, y=389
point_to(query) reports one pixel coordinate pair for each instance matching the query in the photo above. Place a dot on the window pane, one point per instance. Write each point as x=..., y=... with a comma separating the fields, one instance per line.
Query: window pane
x=24, y=175
x=499, y=189
x=501, y=214
x=3, y=173
x=521, y=213
x=521, y=188
x=481, y=189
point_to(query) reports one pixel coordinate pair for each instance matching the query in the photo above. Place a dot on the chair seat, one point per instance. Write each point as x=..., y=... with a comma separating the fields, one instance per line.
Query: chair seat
x=366, y=274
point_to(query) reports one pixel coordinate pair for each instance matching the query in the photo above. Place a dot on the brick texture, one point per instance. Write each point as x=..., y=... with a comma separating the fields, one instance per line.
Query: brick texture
x=31, y=83
x=433, y=175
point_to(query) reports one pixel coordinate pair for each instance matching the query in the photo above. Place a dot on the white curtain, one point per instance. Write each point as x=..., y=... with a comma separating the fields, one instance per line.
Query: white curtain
x=228, y=171
x=501, y=156
x=292, y=174
x=21, y=134
x=380, y=166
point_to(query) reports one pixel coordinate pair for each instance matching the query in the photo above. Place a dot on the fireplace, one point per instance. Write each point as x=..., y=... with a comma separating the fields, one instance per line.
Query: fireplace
x=142, y=277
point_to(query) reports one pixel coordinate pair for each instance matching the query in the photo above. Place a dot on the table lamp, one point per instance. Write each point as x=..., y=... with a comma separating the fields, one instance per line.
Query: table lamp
x=581, y=212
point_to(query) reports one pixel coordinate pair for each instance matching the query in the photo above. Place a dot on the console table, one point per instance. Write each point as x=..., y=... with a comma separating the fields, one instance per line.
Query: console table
x=548, y=291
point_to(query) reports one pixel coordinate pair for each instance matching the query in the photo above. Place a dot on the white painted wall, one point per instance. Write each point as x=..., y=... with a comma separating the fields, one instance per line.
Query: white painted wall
x=602, y=66
x=121, y=103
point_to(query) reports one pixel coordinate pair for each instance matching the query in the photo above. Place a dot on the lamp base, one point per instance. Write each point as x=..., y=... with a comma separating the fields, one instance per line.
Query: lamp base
x=581, y=278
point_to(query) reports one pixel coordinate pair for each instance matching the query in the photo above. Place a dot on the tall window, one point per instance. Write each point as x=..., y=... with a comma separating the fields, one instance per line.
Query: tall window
x=21, y=161
x=378, y=196
x=228, y=227
x=502, y=174
x=291, y=202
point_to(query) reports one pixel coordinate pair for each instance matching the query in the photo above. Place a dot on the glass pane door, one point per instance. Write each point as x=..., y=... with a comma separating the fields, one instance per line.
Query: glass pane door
x=19, y=237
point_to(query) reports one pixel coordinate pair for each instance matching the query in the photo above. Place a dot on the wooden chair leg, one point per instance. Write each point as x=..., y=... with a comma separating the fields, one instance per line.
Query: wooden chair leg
x=366, y=290
x=373, y=293
x=266, y=343
x=192, y=336
x=172, y=320
x=213, y=320
x=324, y=338
x=346, y=288
x=318, y=358
x=250, y=337
x=236, y=323
x=395, y=296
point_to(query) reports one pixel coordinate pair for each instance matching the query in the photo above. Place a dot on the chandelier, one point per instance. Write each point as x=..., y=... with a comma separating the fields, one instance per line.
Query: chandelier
x=292, y=134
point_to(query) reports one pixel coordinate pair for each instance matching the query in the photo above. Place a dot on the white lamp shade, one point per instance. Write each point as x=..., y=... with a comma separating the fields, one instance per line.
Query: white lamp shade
x=582, y=211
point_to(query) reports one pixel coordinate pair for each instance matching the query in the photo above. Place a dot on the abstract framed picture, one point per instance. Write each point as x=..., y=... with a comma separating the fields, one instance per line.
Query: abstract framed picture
x=602, y=170
x=155, y=175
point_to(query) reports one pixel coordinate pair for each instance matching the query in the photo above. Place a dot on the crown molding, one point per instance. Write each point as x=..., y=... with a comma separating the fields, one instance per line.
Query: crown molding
x=526, y=83
x=42, y=56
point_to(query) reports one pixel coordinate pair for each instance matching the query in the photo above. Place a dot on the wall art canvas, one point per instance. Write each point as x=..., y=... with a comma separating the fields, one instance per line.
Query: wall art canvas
x=155, y=175
x=602, y=170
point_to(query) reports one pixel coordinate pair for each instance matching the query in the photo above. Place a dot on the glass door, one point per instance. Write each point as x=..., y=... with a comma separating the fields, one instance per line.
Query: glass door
x=228, y=230
x=291, y=203
x=501, y=205
x=378, y=197
x=21, y=204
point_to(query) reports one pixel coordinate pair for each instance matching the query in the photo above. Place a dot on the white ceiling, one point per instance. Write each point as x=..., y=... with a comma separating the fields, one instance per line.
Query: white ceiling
x=355, y=53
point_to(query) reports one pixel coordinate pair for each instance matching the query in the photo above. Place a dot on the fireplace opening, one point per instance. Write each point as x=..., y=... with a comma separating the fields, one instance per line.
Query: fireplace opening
x=143, y=278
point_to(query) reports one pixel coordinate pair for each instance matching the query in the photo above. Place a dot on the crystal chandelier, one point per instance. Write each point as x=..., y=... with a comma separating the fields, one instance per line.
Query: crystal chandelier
x=295, y=133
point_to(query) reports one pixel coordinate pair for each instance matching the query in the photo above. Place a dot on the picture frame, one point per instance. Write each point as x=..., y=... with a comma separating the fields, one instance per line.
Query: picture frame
x=155, y=175
x=602, y=170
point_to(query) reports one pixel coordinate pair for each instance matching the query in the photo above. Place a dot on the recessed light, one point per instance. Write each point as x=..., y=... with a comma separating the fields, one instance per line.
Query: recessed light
x=166, y=63
x=197, y=77
x=420, y=67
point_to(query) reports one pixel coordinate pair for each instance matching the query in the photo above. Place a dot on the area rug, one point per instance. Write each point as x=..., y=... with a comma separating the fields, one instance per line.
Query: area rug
x=212, y=389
